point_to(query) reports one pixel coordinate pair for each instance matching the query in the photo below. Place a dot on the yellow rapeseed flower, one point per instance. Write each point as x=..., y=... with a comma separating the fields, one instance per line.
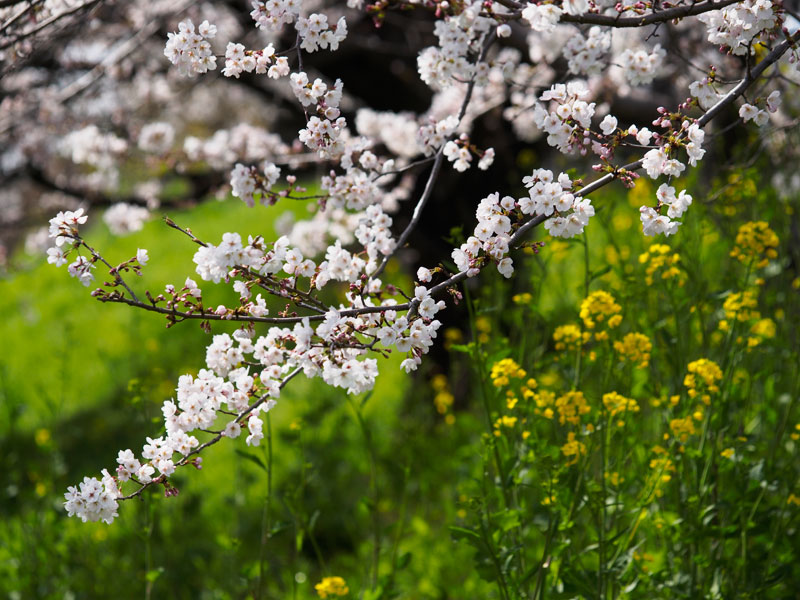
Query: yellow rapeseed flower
x=741, y=306
x=504, y=421
x=573, y=449
x=635, y=348
x=755, y=241
x=703, y=376
x=599, y=307
x=332, y=586
x=682, y=428
x=763, y=329
x=504, y=370
x=452, y=335
x=571, y=406
x=660, y=261
x=569, y=337
x=616, y=403
x=523, y=299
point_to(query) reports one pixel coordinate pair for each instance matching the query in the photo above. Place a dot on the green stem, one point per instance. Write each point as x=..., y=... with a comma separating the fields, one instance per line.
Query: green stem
x=373, y=484
x=265, y=516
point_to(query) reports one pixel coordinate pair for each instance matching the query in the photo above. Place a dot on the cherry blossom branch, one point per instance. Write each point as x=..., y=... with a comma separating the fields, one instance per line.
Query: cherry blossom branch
x=119, y=53
x=710, y=114
x=47, y=22
x=752, y=75
x=668, y=14
x=186, y=459
x=113, y=271
x=211, y=316
x=19, y=15
x=434, y=175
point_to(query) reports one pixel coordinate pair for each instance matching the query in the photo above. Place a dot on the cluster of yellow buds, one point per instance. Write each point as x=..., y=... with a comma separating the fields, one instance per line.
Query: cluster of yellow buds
x=571, y=406
x=702, y=379
x=573, y=449
x=597, y=308
x=443, y=400
x=755, y=241
x=661, y=261
x=617, y=404
x=503, y=371
x=331, y=587
x=635, y=348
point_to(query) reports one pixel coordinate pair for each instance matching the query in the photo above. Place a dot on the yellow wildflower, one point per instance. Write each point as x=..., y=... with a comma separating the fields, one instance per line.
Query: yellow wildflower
x=708, y=373
x=741, y=306
x=600, y=306
x=452, y=336
x=661, y=261
x=662, y=468
x=635, y=347
x=763, y=329
x=523, y=299
x=332, y=586
x=504, y=370
x=682, y=428
x=511, y=400
x=569, y=337
x=571, y=406
x=727, y=453
x=504, y=421
x=755, y=241
x=573, y=448
x=444, y=398
x=792, y=499
x=616, y=404
x=484, y=327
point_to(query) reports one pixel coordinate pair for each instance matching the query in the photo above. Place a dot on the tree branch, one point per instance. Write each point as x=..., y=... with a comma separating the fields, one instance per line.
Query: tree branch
x=676, y=12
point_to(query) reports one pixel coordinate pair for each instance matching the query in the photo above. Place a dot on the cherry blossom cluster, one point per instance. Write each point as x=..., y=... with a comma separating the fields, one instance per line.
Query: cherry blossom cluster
x=432, y=136
x=655, y=223
x=245, y=143
x=91, y=146
x=737, y=26
x=354, y=190
x=191, y=50
x=246, y=182
x=440, y=66
x=641, y=67
x=569, y=112
x=63, y=229
x=326, y=99
x=760, y=117
x=316, y=33
x=123, y=218
x=584, y=54
x=542, y=17
x=274, y=14
x=239, y=60
x=94, y=500
x=156, y=137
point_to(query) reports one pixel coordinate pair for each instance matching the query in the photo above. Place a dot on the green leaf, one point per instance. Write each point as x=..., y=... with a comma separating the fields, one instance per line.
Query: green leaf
x=506, y=519
x=462, y=533
x=154, y=574
x=253, y=458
